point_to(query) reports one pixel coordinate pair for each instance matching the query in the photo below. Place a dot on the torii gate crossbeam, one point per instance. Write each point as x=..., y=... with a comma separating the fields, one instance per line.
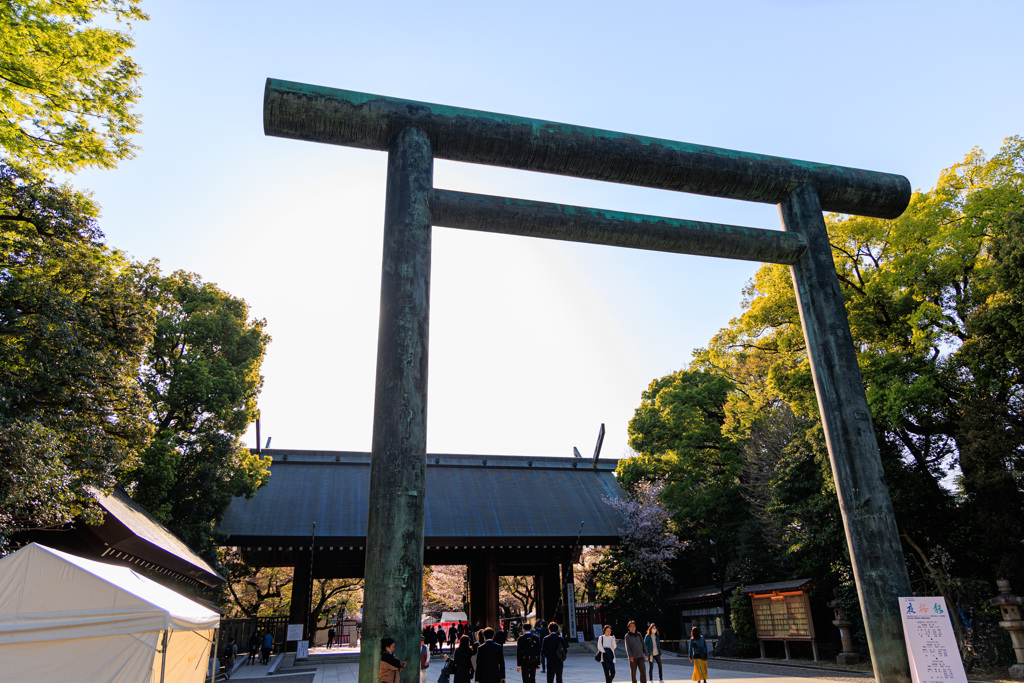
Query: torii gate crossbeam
x=414, y=133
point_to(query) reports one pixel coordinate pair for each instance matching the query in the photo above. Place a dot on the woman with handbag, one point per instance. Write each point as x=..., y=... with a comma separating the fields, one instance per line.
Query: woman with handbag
x=606, y=653
x=699, y=656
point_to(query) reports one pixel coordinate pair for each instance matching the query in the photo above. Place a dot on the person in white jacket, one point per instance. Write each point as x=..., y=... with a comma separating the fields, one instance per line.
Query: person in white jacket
x=606, y=646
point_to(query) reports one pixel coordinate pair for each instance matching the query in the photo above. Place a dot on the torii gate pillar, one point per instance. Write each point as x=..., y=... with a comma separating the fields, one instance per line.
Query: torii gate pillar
x=393, y=591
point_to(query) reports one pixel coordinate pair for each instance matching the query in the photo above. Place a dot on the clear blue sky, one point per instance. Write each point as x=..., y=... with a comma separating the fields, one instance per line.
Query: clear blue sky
x=533, y=343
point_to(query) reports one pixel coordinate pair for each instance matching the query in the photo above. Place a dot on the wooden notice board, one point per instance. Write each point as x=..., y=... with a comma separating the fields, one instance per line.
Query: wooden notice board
x=782, y=612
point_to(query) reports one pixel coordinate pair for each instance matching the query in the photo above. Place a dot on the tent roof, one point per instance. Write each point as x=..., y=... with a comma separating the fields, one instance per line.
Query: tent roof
x=46, y=594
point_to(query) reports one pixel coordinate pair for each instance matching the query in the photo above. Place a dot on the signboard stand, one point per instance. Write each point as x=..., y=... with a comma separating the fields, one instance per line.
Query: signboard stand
x=931, y=645
x=294, y=634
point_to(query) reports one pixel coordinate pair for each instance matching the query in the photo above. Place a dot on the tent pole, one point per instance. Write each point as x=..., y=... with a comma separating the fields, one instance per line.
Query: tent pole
x=163, y=659
x=216, y=639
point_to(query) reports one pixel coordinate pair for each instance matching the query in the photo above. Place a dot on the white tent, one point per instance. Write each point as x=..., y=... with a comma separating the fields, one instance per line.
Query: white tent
x=64, y=618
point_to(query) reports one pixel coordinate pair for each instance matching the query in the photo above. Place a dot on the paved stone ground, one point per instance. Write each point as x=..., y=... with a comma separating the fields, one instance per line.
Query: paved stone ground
x=579, y=668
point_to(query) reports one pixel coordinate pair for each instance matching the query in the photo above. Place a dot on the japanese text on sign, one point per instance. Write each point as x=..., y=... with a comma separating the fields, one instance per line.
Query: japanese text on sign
x=931, y=646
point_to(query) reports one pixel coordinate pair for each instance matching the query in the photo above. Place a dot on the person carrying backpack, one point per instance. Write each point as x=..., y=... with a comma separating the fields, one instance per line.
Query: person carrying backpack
x=229, y=656
x=528, y=654
x=699, y=656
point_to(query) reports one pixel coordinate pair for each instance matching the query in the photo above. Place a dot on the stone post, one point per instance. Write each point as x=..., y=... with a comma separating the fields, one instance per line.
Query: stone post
x=1009, y=607
x=848, y=655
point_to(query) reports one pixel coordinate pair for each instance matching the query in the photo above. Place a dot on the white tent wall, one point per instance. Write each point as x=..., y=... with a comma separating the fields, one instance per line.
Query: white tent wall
x=188, y=656
x=118, y=659
x=67, y=619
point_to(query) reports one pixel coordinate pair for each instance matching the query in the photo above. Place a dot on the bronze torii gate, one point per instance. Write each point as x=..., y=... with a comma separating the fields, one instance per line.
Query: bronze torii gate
x=415, y=133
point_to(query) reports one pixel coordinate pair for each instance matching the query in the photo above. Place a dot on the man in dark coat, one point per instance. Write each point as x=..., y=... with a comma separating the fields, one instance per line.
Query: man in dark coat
x=542, y=633
x=528, y=655
x=490, y=660
x=552, y=652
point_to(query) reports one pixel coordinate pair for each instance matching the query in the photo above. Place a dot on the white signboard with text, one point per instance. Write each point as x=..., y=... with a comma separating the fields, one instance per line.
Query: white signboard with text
x=931, y=645
x=294, y=632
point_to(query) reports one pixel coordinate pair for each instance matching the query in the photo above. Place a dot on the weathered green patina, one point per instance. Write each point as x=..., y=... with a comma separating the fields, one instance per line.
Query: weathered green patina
x=394, y=534
x=526, y=218
x=868, y=519
x=353, y=119
x=415, y=132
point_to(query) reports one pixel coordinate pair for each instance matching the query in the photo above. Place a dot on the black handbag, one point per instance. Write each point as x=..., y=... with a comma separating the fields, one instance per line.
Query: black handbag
x=597, y=657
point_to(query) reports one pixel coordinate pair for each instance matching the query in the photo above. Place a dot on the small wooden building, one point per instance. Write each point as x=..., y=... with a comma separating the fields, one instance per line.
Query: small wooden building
x=782, y=612
x=705, y=607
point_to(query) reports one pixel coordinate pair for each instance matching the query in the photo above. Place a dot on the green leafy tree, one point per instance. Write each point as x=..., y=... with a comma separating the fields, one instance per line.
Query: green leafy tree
x=678, y=434
x=934, y=300
x=255, y=591
x=202, y=377
x=75, y=318
x=67, y=86
x=741, y=612
x=329, y=596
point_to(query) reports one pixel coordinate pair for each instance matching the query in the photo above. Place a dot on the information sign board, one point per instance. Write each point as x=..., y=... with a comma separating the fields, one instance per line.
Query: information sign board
x=302, y=650
x=294, y=632
x=931, y=645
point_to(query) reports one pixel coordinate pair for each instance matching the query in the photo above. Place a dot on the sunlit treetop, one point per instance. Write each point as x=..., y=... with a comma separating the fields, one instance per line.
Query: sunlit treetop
x=67, y=87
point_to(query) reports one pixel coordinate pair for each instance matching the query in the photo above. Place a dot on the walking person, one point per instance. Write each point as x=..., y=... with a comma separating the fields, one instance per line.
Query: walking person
x=490, y=660
x=330, y=637
x=528, y=654
x=554, y=649
x=254, y=647
x=606, y=648
x=463, y=661
x=424, y=660
x=390, y=665
x=230, y=654
x=268, y=645
x=699, y=656
x=652, y=646
x=453, y=638
x=635, y=652
x=542, y=633
x=429, y=637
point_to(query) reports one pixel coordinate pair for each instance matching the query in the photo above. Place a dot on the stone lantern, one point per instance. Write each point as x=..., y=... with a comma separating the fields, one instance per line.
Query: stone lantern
x=1009, y=607
x=847, y=656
